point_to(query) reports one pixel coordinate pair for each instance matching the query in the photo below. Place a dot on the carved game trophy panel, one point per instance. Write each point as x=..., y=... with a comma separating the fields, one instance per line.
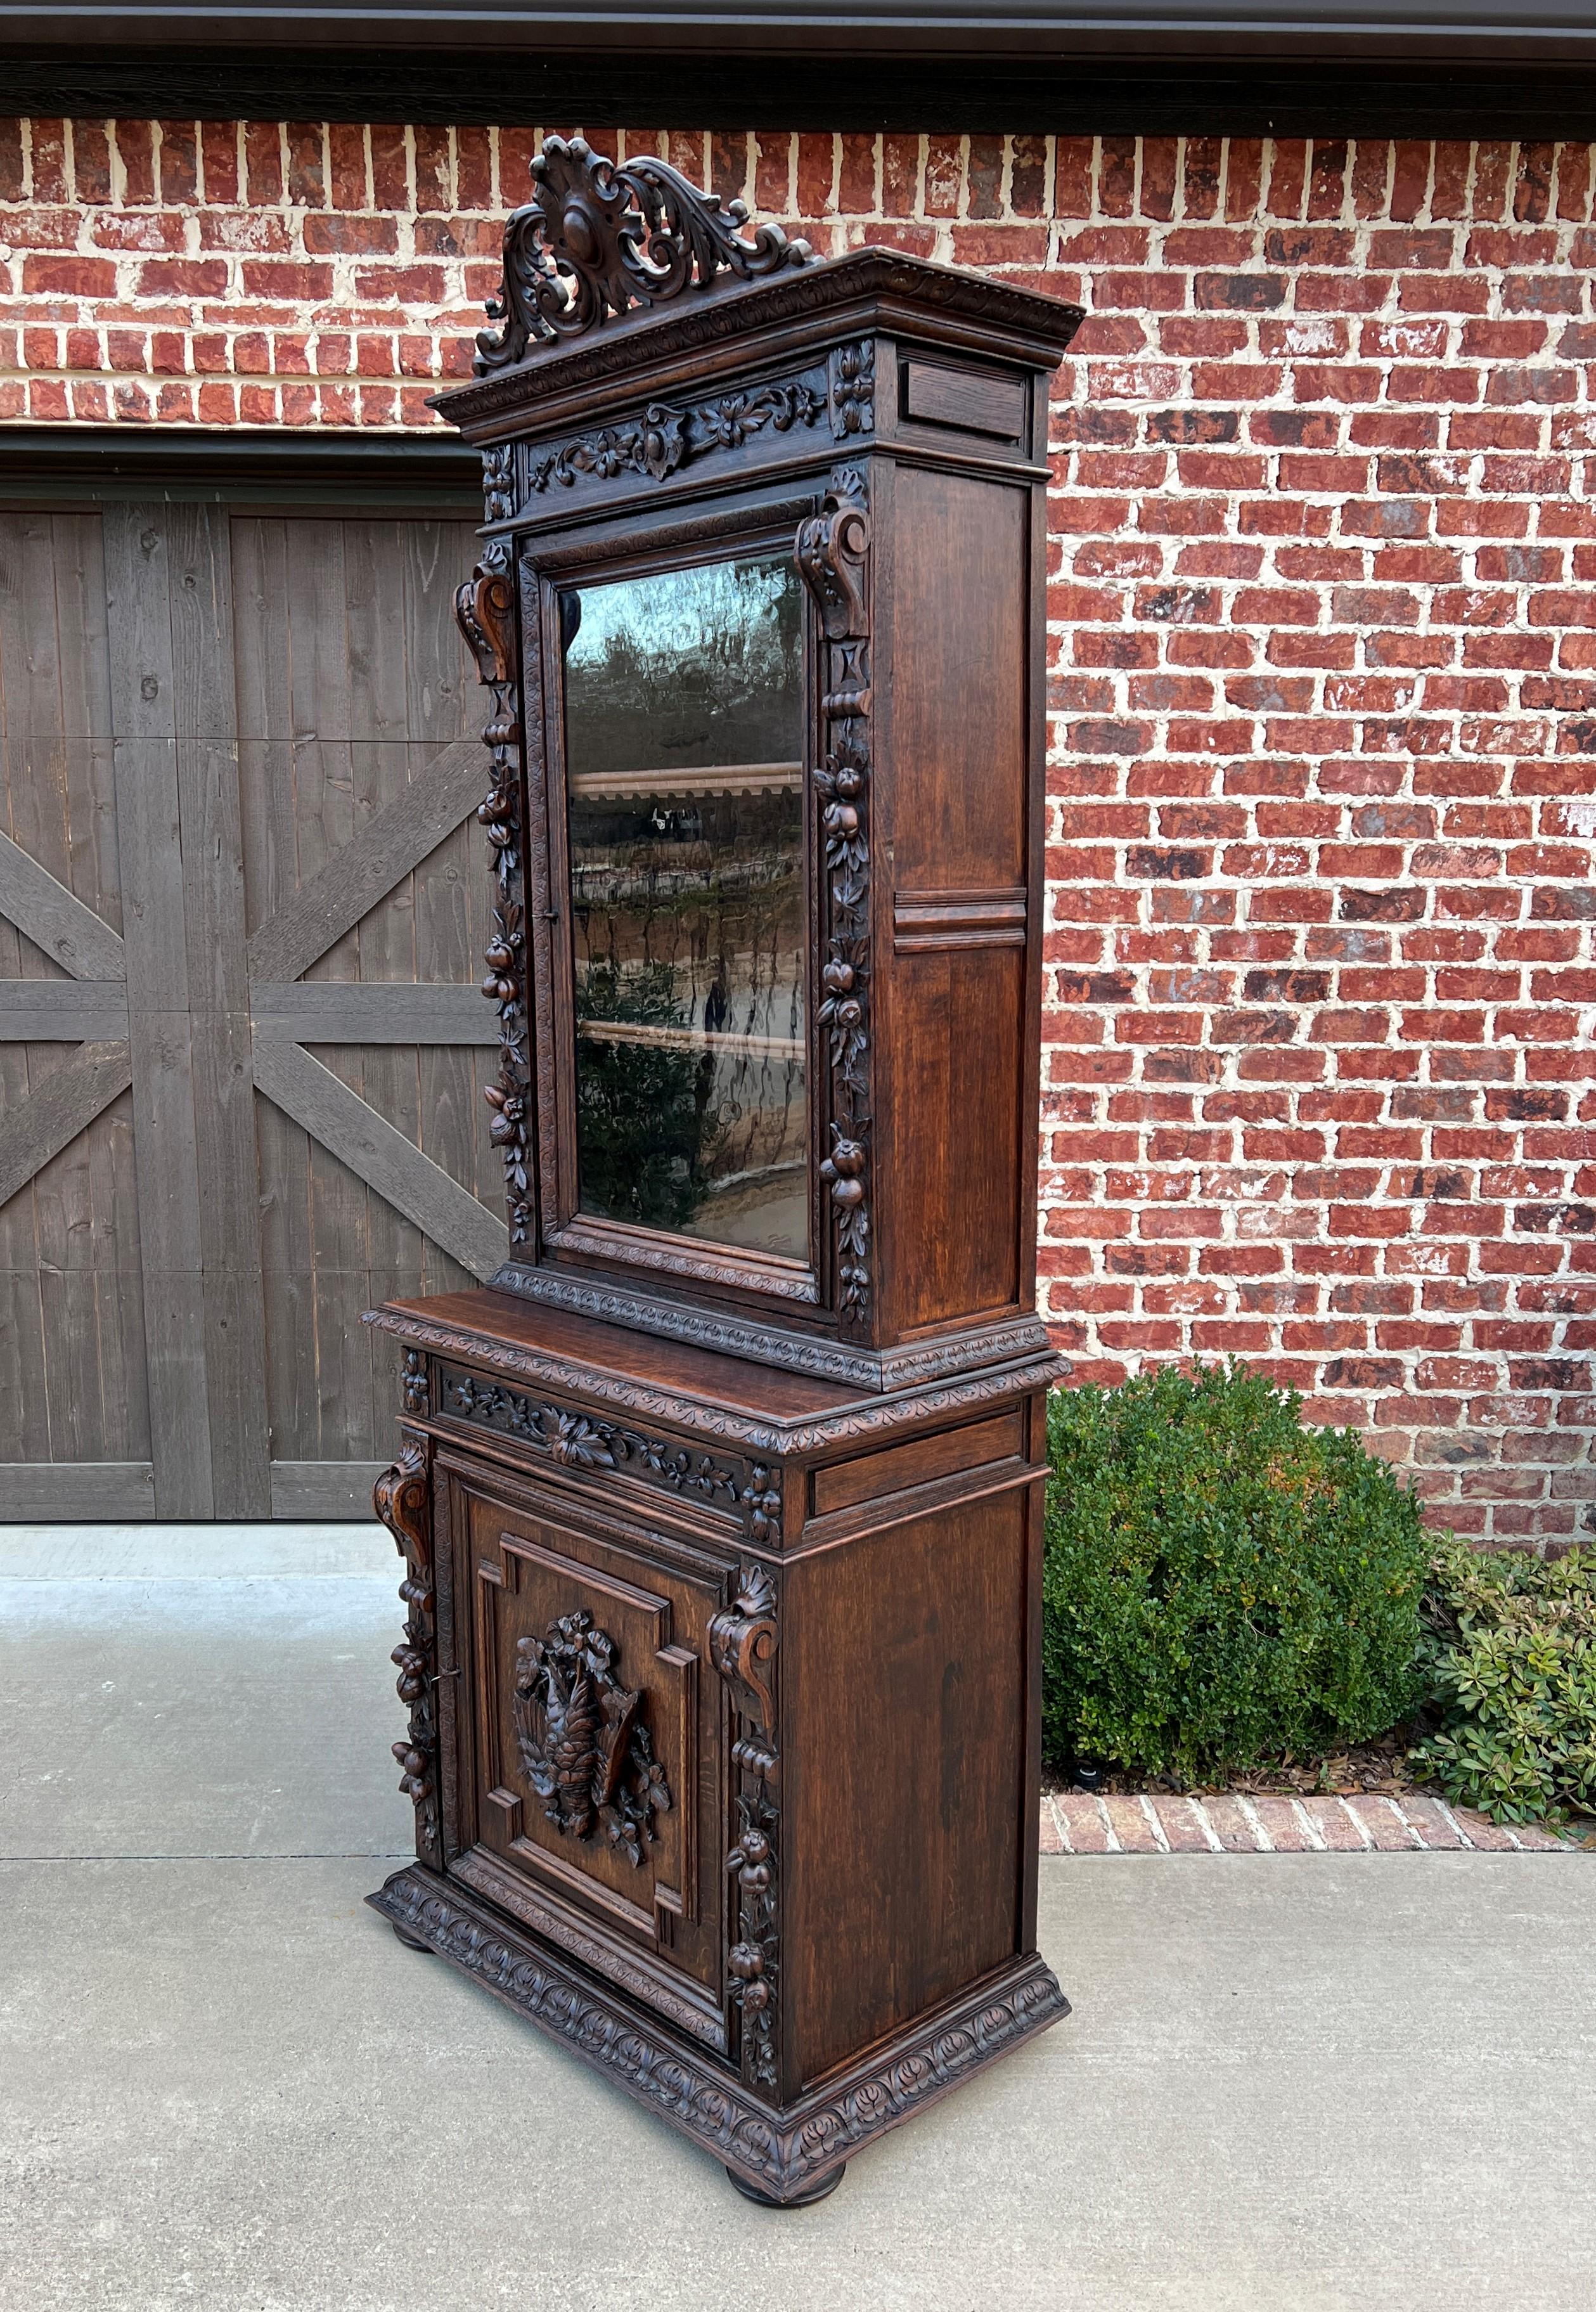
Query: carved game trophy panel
x=592, y=1723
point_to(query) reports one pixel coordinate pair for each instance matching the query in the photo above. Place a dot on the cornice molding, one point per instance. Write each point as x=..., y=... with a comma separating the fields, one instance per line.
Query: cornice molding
x=843, y=285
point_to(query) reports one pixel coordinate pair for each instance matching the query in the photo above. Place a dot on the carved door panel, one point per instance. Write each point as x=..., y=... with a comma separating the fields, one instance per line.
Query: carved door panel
x=592, y=1801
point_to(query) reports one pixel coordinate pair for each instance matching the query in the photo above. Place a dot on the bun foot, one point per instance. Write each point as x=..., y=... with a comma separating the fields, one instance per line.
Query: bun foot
x=821, y=2190
x=411, y=1942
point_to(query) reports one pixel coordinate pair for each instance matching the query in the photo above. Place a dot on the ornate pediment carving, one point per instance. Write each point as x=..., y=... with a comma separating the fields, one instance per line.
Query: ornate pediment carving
x=597, y=238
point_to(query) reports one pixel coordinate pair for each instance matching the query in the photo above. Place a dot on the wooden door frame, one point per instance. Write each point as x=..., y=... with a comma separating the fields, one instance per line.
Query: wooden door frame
x=181, y=1007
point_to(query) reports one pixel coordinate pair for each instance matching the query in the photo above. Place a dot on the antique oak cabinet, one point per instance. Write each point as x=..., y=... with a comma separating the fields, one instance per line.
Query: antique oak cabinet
x=721, y=1506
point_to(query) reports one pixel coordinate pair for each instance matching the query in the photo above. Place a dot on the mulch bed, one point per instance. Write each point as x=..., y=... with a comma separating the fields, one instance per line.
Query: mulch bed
x=1379, y=1768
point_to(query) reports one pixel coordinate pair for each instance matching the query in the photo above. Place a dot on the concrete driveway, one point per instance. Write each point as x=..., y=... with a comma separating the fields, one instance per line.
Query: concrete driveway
x=1290, y=2081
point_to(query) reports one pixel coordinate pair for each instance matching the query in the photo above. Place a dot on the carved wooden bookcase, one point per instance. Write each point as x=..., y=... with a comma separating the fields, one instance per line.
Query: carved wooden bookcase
x=721, y=1506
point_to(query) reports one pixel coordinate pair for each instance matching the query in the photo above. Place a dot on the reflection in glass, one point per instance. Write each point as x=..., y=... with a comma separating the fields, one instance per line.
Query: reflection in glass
x=683, y=755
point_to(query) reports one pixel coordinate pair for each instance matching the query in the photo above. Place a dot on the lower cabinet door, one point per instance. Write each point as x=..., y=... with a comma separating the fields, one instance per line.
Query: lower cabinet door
x=590, y=1744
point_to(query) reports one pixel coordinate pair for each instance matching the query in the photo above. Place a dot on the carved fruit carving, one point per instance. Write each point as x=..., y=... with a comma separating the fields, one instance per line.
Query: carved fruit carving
x=484, y=607
x=400, y=1499
x=743, y=1649
x=582, y=1736
x=833, y=557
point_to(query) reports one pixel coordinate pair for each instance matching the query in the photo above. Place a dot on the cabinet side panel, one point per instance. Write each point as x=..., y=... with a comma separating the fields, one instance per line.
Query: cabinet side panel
x=957, y=1186
x=959, y=1164
x=904, y=1657
x=957, y=628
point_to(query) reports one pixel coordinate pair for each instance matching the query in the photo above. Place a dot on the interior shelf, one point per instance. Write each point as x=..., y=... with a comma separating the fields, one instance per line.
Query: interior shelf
x=712, y=779
x=691, y=1039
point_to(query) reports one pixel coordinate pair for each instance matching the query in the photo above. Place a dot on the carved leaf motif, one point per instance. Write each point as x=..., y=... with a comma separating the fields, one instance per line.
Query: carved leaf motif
x=595, y=240
x=576, y=1441
x=415, y=1386
x=498, y=481
x=664, y=439
x=853, y=390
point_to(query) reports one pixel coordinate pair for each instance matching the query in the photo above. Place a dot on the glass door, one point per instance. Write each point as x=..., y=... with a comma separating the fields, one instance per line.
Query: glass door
x=684, y=752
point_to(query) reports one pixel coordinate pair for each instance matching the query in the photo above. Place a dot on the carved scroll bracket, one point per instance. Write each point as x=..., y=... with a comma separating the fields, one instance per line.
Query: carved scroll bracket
x=833, y=557
x=484, y=607
x=595, y=240
x=742, y=1644
x=401, y=1499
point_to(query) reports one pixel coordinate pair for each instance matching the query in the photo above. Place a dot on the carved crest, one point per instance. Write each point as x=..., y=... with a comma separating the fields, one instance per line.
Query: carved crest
x=595, y=240
x=582, y=1736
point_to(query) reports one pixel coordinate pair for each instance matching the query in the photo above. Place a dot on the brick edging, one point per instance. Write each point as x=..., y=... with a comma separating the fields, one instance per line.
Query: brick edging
x=1074, y=1821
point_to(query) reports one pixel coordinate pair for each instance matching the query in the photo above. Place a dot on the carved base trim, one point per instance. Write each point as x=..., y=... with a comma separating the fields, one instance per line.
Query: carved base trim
x=821, y=2190
x=780, y=2155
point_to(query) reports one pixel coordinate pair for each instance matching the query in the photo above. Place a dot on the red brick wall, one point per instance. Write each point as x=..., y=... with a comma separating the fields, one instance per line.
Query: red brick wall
x=1323, y=680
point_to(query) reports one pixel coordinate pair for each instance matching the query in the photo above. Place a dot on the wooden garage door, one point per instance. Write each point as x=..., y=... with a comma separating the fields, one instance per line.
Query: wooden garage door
x=241, y=1044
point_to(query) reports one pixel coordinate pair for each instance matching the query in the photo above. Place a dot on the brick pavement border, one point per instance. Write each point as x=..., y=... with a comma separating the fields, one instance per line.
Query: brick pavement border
x=1076, y=1821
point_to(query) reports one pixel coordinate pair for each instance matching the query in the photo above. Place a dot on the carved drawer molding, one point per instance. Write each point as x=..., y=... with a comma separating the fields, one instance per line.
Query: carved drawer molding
x=751, y=1492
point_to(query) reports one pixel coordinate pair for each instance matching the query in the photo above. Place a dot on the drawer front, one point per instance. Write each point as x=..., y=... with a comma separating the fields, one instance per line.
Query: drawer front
x=592, y=1750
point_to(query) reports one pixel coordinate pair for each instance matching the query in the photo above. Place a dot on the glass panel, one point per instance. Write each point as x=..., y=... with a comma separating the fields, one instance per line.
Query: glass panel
x=683, y=761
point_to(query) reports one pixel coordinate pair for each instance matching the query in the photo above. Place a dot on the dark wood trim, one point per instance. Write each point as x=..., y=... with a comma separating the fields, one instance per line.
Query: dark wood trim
x=1453, y=90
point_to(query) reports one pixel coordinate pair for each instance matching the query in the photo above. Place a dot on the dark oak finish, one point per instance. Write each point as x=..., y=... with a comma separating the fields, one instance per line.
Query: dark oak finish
x=723, y=1562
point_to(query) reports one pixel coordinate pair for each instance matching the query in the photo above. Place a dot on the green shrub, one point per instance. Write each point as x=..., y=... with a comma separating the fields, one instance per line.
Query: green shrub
x=1514, y=1677
x=1223, y=1586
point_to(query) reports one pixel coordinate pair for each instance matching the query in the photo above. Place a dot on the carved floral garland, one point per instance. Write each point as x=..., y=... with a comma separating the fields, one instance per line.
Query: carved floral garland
x=580, y=1441
x=400, y=1500
x=665, y=438
x=484, y=607
x=742, y=1647
x=833, y=551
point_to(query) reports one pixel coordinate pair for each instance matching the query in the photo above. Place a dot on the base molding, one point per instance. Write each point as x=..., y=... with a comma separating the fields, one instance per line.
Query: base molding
x=782, y=2155
x=910, y=1364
